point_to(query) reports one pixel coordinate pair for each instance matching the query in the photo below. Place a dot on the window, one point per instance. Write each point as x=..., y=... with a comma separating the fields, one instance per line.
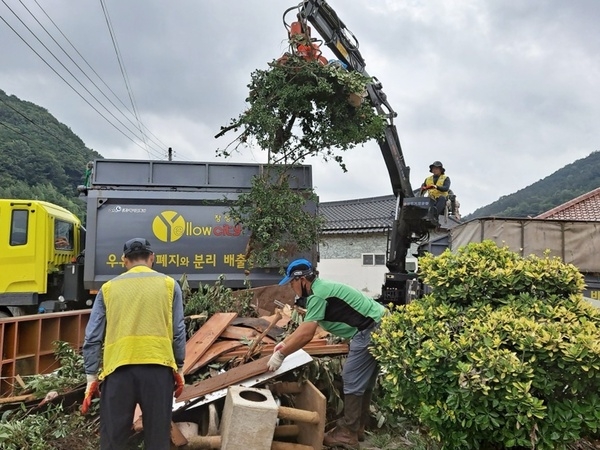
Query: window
x=373, y=259
x=63, y=235
x=18, y=227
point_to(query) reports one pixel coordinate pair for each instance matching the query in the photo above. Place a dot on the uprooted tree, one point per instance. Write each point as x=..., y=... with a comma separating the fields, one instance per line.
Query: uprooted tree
x=504, y=352
x=296, y=109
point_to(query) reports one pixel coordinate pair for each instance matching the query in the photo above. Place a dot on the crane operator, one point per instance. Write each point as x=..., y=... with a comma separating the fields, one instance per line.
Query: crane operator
x=437, y=186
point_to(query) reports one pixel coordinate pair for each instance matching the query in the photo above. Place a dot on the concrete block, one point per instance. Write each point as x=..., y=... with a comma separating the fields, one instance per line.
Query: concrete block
x=249, y=418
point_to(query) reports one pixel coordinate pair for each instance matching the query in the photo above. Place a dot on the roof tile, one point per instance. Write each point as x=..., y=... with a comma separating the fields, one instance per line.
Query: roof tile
x=584, y=207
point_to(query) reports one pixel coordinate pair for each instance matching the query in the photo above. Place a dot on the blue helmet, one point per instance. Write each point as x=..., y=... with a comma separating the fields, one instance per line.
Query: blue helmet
x=297, y=268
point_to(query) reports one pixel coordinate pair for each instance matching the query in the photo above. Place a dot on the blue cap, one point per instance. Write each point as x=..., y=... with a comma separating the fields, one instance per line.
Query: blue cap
x=297, y=268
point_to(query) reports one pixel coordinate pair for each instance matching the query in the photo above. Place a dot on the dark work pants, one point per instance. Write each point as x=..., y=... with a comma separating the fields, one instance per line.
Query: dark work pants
x=151, y=386
x=440, y=204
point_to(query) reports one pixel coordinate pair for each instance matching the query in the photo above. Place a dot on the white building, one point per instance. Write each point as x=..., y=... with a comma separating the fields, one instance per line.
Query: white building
x=355, y=241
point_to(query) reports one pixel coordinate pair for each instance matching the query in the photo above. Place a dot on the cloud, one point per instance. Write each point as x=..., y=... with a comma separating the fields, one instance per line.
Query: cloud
x=503, y=93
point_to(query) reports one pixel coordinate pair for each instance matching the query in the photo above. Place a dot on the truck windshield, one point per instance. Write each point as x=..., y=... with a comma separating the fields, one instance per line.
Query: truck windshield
x=63, y=235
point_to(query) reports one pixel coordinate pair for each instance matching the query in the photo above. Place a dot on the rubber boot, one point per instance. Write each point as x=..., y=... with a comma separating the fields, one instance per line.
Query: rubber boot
x=344, y=435
x=365, y=414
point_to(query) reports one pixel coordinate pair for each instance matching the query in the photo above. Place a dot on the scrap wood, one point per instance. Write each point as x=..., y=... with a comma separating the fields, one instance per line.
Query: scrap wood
x=177, y=437
x=260, y=324
x=239, y=333
x=17, y=399
x=276, y=317
x=224, y=379
x=215, y=350
x=214, y=442
x=201, y=341
x=282, y=321
x=318, y=347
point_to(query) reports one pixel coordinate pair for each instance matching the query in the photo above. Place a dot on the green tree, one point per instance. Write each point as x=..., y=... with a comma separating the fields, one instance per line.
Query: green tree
x=503, y=353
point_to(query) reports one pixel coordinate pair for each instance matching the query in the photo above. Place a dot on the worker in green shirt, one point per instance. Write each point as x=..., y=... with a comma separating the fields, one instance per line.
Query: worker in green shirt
x=348, y=313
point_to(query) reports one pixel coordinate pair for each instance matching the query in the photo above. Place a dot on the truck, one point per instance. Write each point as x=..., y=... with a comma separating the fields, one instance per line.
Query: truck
x=180, y=207
x=415, y=217
x=576, y=242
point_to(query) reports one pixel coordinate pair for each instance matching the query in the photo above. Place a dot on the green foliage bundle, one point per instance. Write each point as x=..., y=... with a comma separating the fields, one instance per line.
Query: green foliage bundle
x=69, y=375
x=210, y=299
x=279, y=220
x=300, y=108
x=296, y=109
x=503, y=353
x=51, y=429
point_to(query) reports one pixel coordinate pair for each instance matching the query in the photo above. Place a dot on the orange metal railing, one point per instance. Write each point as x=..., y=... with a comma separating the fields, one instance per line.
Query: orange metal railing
x=26, y=343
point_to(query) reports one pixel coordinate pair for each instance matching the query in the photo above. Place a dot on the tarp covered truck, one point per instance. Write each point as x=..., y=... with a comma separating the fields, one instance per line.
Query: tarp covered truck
x=180, y=207
x=575, y=242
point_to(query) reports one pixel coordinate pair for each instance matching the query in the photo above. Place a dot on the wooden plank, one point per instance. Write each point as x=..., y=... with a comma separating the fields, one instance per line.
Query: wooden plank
x=240, y=333
x=311, y=399
x=201, y=341
x=260, y=324
x=224, y=380
x=17, y=399
x=215, y=350
x=316, y=349
x=177, y=437
x=252, y=348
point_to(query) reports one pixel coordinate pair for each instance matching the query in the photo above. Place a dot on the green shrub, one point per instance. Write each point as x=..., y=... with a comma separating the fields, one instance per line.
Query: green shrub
x=503, y=353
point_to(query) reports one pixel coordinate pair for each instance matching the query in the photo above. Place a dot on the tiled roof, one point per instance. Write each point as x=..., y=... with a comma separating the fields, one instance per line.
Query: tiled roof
x=584, y=207
x=363, y=215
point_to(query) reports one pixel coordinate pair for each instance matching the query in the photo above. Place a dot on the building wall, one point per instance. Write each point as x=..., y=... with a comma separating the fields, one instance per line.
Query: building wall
x=342, y=260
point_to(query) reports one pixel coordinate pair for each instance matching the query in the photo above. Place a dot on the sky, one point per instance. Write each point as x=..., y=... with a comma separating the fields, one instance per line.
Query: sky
x=503, y=92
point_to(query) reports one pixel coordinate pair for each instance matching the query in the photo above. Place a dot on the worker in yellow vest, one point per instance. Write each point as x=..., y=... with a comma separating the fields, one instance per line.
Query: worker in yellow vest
x=138, y=317
x=437, y=186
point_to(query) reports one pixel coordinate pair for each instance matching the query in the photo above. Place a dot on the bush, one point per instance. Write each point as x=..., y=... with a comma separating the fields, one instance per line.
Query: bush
x=503, y=353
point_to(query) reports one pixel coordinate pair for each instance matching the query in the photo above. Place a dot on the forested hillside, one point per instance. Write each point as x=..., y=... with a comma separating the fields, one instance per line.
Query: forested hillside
x=563, y=185
x=40, y=157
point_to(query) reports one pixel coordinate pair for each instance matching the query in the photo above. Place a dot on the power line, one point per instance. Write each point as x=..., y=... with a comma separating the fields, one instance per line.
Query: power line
x=121, y=66
x=63, y=79
x=161, y=151
x=68, y=144
x=75, y=63
x=158, y=141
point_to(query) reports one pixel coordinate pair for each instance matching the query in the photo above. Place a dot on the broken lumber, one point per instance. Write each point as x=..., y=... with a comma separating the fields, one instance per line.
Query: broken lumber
x=223, y=380
x=200, y=342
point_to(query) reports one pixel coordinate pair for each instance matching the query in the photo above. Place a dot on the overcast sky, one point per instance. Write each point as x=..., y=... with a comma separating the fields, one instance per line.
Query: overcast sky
x=503, y=92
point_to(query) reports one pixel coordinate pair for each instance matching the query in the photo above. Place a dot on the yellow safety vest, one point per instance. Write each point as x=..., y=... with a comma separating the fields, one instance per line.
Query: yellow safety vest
x=434, y=193
x=139, y=320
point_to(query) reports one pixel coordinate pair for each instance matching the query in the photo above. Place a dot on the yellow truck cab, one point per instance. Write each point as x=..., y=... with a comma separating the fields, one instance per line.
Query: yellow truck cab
x=37, y=241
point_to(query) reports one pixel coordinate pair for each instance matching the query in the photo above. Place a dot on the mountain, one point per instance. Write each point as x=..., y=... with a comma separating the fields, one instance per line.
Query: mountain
x=563, y=185
x=40, y=157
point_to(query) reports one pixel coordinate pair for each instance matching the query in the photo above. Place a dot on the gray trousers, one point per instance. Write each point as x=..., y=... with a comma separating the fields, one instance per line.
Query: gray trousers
x=360, y=368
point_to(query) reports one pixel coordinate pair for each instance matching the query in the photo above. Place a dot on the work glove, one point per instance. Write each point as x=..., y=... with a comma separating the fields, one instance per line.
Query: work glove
x=275, y=361
x=91, y=390
x=179, y=382
x=279, y=346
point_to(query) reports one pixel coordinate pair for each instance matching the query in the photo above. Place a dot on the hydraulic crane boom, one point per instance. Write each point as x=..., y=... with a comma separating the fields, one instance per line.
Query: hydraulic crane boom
x=412, y=219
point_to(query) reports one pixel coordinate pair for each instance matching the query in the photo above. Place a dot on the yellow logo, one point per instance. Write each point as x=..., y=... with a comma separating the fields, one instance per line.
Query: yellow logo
x=168, y=226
